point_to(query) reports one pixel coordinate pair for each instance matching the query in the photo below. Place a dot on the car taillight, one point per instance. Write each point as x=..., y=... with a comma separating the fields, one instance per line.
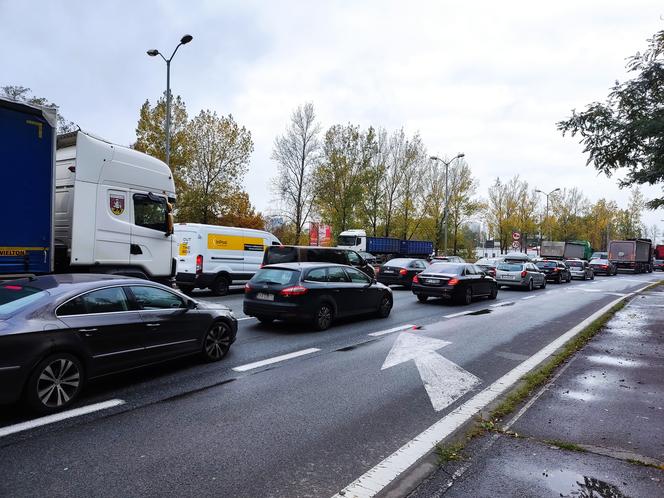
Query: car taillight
x=453, y=281
x=296, y=290
x=199, y=263
x=605, y=267
x=556, y=269
x=416, y=279
x=247, y=288
x=261, y=265
x=403, y=271
x=523, y=273
x=377, y=269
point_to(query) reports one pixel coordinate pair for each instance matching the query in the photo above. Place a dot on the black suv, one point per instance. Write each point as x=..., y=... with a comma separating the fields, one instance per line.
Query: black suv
x=555, y=270
x=303, y=254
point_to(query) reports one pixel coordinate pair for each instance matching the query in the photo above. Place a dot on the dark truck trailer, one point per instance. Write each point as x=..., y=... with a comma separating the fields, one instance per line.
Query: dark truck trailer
x=27, y=200
x=632, y=255
x=564, y=250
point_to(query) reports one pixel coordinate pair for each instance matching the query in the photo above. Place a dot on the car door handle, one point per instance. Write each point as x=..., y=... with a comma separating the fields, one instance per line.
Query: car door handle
x=87, y=332
x=152, y=324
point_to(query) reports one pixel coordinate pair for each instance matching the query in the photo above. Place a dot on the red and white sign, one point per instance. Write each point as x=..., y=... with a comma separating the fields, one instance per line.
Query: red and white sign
x=516, y=236
x=320, y=235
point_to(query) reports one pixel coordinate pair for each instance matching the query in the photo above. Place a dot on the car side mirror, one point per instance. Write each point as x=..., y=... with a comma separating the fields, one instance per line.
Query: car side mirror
x=191, y=304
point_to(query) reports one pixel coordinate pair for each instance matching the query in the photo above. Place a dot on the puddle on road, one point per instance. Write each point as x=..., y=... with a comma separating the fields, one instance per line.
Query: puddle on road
x=568, y=483
x=614, y=361
x=579, y=395
x=628, y=323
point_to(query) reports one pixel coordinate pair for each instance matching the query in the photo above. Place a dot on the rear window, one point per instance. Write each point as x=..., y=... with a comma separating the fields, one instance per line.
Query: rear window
x=451, y=268
x=576, y=264
x=277, y=276
x=510, y=267
x=547, y=264
x=280, y=254
x=398, y=262
x=327, y=256
x=13, y=298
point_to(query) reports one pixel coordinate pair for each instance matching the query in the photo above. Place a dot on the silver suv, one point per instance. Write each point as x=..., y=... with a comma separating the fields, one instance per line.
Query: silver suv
x=580, y=269
x=518, y=274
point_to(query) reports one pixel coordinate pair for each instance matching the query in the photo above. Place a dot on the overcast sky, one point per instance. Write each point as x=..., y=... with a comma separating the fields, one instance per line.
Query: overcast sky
x=486, y=78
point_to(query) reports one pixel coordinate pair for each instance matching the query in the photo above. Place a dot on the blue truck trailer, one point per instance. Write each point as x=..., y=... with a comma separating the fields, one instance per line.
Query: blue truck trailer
x=28, y=135
x=358, y=241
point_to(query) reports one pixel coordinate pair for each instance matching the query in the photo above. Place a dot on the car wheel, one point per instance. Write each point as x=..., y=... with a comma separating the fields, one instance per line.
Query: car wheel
x=421, y=298
x=494, y=292
x=55, y=383
x=559, y=280
x=385, y=306
x=467, y=296
x=584, y=277
x=543, y=286
x=530, y=285
x=592, y=276
x=220, y=286
x=217, y=341
x=323, y=317
x=265, y=320
x=569, y=278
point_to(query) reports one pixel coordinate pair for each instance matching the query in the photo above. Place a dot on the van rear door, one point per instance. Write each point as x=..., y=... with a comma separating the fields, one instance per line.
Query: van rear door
x=188, y=248
x=254, y=246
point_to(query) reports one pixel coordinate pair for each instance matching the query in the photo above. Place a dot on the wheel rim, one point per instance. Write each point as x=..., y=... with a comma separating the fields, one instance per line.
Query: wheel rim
x=58, y=383
x=217, y=341
x=324, y=317
x=469, y=296
x=530, y=285
x=385, y=305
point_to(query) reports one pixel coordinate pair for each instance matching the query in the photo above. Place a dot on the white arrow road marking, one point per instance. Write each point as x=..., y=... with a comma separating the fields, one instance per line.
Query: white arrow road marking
x=443, y=380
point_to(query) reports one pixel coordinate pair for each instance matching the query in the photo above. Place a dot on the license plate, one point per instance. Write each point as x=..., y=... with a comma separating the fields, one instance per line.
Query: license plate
x=265, y=296
x=387, y=271
x=432, y=281
x=508, y=277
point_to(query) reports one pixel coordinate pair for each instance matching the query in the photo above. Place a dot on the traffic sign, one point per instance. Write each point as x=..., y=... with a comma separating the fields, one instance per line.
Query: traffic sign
x=516, y=236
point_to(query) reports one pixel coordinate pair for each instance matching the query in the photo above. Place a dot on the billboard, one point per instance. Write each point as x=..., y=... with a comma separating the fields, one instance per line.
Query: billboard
x=320, y=235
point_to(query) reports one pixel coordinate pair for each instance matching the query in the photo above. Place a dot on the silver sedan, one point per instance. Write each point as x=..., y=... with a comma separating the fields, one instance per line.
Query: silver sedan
x=521, y=275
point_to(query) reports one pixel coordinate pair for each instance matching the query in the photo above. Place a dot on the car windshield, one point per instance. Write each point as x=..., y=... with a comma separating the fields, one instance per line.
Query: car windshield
x=547, y=264
x=13, y=298
x=510, y=267
x=487, y=262
x=577, y=264
x=278, y=276
x=398, y=262
x=452, y=268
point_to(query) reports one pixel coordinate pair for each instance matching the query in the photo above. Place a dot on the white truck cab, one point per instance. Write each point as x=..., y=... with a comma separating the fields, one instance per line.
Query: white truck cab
x=353, y=239
x=112, y=209
x=211, y=256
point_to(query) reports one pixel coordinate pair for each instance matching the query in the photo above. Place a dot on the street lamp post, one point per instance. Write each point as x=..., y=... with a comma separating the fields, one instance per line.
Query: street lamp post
x=152, y=53
x=447, y=165
x=547, y=208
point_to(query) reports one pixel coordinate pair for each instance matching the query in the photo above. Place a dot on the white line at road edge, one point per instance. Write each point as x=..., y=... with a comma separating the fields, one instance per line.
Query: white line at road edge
x=276, y=359
x=395, y=329
x=376, y=478
x=57, y=417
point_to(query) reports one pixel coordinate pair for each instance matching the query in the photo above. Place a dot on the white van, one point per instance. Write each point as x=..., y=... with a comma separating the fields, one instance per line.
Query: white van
x=211, y=256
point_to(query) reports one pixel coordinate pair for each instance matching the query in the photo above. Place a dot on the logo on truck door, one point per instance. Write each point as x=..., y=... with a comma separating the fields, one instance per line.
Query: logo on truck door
x=117, y=204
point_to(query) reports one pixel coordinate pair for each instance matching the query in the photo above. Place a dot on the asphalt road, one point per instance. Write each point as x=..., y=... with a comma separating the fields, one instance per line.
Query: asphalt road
x=304, y=426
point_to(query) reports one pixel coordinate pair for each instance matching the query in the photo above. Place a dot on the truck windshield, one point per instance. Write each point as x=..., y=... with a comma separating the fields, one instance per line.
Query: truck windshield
x=348, y=240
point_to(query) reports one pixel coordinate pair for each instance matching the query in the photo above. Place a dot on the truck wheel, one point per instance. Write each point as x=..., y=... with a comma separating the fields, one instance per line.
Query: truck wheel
x=220, y=286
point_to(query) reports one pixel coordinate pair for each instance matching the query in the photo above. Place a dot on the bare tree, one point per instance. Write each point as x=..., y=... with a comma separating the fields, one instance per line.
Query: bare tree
x=375, y=180
x=393, y=176
x=297, y=151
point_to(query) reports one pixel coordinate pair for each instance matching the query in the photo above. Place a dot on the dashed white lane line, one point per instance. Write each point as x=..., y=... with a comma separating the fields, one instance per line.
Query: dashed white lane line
x=392, y=330
x=57, y=417
x=529, y=297
x=460, y=313
x=498, y=305
x=276, y=359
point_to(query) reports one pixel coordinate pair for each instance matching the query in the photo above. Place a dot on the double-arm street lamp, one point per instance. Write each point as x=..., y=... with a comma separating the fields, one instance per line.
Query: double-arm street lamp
x=547, y=208
x=152, y=53
x=447, y=165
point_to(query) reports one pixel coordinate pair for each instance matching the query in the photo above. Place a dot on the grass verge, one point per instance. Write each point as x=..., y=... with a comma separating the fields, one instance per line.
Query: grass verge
x=449, y=452
x=564, y=445
x=539, y=377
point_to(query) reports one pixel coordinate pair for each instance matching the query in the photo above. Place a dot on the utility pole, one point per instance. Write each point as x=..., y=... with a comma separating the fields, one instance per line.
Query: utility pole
x=447, y=193
x=547, y=206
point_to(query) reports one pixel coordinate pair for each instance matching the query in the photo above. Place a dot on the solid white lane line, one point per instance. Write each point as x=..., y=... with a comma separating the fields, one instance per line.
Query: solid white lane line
x=529, y=297
x=498, y=305
x=57, y=417
x=276, y=359
x=390, y=331
x=375, y=479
